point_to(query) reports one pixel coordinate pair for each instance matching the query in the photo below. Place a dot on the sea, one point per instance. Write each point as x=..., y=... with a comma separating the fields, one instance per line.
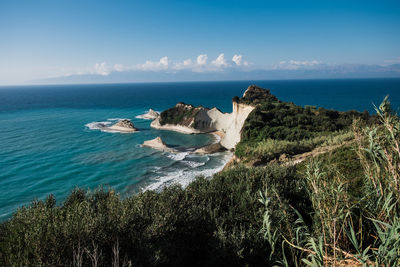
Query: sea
x=52, y=137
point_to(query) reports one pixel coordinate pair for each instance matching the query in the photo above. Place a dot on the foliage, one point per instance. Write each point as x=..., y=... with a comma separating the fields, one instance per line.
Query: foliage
x=347, y=227
x=338, y=208
x=291, y=129
x=286, y=121
x=270, y=149
x=255, y=95
x=211, y=222
x=180, y=114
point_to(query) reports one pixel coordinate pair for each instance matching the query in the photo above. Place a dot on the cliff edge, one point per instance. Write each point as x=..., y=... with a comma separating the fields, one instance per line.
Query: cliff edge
x=188, y=119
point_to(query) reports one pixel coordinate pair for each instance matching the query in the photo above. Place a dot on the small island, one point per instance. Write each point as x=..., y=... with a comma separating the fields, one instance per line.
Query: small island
x=158, y=143
x=123, y=126
x=150, y=115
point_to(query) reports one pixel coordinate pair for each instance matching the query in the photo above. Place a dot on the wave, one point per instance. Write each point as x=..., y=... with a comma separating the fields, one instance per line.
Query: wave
x=193, y=164
x=117, y=119
x=178, y=156
x=98, y=125
x=186, y=176
x=104, y=126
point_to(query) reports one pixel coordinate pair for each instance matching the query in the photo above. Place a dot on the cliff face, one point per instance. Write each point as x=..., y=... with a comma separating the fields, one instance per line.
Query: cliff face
x=191, y=120
x=203, y=120
x=238, y=116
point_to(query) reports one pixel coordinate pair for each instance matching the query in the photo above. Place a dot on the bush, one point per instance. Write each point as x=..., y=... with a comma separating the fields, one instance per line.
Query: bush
x=211, y=222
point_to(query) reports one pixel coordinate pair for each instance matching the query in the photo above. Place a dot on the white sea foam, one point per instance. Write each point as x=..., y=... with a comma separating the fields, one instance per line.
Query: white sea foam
x=163, y=180
x=98, y=125
x=193, y=164
x=177, y=156
x=103, y=126
x=185, y=177
x=116, y=119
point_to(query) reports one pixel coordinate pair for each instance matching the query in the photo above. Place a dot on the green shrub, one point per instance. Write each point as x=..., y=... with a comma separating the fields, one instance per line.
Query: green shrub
x=212, y=222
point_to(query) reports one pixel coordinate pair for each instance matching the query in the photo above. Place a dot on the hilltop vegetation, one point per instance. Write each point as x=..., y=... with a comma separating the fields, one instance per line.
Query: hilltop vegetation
x=335, y=209
x=181, y=114
x=274, y=128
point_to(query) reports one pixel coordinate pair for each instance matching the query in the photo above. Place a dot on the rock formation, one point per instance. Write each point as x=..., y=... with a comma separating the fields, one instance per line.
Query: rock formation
x=213, y=148
x=158, y=143
x=188, y=119
x=150, y=115
x=123, y=125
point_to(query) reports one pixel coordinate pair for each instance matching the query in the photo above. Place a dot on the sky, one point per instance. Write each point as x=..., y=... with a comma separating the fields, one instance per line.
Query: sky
x=49, y=39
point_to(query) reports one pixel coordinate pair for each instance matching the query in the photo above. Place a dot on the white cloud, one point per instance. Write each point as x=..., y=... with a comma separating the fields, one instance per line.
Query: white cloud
x=162, y=64
x=186, y=64
x=237, y=59
x=119, y=67
x=199, y=64
x=220, y=61
x=101, y=69
x=202, y=59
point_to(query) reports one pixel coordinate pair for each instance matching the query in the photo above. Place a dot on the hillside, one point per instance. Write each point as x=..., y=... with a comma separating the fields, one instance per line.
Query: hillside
x=338, y=207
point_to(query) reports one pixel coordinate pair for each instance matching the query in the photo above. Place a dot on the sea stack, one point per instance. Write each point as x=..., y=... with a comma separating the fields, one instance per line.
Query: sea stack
x=150, y=115
x=158, y=143
x=123, y=125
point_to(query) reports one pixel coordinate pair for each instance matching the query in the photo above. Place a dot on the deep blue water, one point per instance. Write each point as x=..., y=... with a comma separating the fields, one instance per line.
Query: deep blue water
x=47, y=147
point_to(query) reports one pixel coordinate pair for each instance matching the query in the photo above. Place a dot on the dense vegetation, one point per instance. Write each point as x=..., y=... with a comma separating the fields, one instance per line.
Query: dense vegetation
x=211, y=222
x=276, y=127
x=356, y=214
x=180, y=114
x=255, y=95
x=334, y=209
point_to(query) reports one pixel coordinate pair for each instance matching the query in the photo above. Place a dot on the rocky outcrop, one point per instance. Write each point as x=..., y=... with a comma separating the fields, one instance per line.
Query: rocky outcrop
x=158, y=143
x=210, y=149
x=150, y=115
x=188, y=119
x=237, y=118
x=209, y=120
x=123, y=125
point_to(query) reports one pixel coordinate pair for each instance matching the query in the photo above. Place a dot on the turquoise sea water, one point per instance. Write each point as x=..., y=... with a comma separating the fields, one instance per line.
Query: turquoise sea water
x=49, y=142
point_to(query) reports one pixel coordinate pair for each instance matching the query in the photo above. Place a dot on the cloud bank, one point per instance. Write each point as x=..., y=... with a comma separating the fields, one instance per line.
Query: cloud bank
x=223, y=67
x=199, y=64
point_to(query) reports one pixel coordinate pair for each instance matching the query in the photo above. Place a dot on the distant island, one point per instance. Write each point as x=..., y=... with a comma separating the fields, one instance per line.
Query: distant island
x=306, y=186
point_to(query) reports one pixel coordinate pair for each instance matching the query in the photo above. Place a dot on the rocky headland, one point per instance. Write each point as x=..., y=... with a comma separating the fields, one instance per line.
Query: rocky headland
x=188, y=119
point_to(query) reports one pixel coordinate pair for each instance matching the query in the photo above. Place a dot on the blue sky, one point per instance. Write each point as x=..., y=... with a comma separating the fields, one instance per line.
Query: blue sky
x=42, y=39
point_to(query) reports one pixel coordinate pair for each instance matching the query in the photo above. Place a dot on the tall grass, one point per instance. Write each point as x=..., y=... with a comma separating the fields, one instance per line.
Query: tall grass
x=345, y=230
x=270, y=149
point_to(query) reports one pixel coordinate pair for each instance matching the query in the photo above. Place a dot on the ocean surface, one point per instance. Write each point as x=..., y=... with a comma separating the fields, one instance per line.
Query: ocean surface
x=51, y=142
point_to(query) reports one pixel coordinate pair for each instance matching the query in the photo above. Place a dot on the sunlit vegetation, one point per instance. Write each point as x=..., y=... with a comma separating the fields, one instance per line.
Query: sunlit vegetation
x=333, y=209
x=274, y=128
x=180, y=114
